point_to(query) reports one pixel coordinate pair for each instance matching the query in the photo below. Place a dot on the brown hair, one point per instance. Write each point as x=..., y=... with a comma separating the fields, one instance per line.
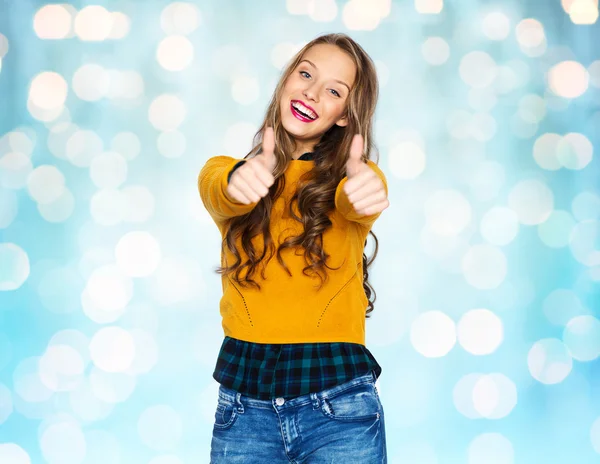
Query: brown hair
x=316, y=189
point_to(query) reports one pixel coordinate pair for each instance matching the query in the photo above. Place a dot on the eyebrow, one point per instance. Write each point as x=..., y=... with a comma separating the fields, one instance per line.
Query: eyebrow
x=337, y=80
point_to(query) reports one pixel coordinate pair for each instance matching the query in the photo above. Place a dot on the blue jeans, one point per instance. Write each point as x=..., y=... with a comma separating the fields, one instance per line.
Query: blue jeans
x=342, y=424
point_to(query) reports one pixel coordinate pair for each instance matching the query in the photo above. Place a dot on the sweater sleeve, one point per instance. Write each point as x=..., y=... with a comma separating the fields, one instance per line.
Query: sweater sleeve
x=345, y=207
x=212, y=182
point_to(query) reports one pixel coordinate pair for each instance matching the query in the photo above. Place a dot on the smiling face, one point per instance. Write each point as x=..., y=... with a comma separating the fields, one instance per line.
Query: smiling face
x=315, y=95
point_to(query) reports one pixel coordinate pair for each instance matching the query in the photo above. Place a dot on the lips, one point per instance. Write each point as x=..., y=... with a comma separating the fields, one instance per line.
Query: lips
x=299, y=115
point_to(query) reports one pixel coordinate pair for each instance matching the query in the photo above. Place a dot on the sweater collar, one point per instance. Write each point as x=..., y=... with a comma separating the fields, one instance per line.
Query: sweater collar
x=308, y=156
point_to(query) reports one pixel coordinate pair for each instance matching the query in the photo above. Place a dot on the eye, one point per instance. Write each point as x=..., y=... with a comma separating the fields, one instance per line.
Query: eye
x=305, y=73
x=336, y=92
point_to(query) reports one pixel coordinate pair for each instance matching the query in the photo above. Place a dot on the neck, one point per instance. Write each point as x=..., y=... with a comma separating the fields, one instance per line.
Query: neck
x=300, y=150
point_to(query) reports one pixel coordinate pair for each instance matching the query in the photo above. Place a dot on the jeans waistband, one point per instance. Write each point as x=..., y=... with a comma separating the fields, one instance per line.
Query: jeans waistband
x=238, y=398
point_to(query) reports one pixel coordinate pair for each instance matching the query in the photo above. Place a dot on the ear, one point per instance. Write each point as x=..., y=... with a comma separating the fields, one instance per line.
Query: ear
x=343, y=121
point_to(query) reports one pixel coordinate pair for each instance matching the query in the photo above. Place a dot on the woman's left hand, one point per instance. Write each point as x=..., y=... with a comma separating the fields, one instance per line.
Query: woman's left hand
x=364, y=188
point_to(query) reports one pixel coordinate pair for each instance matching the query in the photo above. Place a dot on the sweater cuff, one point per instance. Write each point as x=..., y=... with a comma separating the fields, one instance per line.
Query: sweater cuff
x=237, y=165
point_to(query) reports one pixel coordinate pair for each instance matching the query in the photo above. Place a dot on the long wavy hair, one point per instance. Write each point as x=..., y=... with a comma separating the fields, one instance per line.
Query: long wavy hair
x=315, y=194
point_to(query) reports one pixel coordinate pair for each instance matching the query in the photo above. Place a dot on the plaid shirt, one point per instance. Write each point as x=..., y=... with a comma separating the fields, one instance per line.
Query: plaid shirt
x=266, y=371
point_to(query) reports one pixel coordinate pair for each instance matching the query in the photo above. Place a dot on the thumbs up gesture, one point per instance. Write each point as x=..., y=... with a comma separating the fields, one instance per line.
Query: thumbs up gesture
x=364, y=188
x=251, y=181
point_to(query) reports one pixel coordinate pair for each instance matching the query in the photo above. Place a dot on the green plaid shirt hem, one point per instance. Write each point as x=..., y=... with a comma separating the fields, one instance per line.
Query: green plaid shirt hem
x=266, y=371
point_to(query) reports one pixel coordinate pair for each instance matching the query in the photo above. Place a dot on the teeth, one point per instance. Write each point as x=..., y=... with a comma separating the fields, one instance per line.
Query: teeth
x=304, y=109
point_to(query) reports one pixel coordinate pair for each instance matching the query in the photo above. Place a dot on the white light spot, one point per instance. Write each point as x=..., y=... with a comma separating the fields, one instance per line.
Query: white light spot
x=545, y=151
x=568, y=79
x=14, y=170
x=531, y=37
x=584, y=245
x=82, y=147
x=245, y=90
x=27, y=383
x=433, y=334
x=138, y=204
x=166, y=112
x=323, y=10
x=48, y=91
x=360, y=15
x=549, y=361
x=160, y=427
x=58, y=210
x=496, y=25
x=9, y=210
x=282, y=53
x=108, y=170
x=86, y=405
x=561, y=305
x=447, y=212
x=138, y=254
x=107, y=207
x=582, y=337
x=407, y=160
x=435, y=50
x=13, y=454
x=121, y=24
x=574, y=151
x=429, y=6
x=532, y=200
x=499, y=226
x=53, y=22
x=171, y=144
x=555, y=232
x=112, y=349
x=63, y=443
x=484, y=266
x=102, y=448
x=175, y=53
x=46, y=183
x=93, y=23
x=146, y=351
x=61, y=368
x=586, y=206
x=236, y=138
x=112, y=387
x=127, y=144
x=532, y=108
x=480, y=331
x=491, y=447
x=90, y=82
x=177, y=279
x=15, y=266
x=109, y=289
x=179, y=18
x=478, y=69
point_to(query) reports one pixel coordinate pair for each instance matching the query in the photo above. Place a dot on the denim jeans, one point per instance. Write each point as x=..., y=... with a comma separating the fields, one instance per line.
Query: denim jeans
x=343, y=424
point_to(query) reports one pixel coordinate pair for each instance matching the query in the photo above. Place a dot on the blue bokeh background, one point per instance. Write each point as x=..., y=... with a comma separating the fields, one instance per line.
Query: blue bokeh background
x=488, y=273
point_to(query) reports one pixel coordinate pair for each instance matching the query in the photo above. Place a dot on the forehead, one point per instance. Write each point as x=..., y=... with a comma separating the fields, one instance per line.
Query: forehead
x=332, y=62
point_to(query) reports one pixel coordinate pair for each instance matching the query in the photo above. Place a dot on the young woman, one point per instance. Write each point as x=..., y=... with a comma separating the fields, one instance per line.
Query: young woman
x=297, y=383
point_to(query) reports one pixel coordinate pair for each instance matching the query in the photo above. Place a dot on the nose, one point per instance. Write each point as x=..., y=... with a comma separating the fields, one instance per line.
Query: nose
x=310, y=93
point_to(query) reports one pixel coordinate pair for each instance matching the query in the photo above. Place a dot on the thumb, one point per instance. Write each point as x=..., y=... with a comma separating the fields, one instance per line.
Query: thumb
x=354, y=163
x=268, y=149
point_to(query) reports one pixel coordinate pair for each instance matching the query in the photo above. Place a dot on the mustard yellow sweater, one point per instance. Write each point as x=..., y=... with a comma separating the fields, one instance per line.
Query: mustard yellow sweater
x=291, y=309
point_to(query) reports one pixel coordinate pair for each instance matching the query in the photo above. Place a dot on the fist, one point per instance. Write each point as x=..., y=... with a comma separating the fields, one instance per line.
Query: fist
x=364, y=188
x=251, y=181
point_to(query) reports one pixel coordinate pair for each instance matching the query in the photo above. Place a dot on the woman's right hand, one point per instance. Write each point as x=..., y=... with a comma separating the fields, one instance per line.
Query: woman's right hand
x=251, y=181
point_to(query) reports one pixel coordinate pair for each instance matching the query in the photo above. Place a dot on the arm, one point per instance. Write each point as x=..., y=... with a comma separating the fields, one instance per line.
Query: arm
x=212, y=184
x=345, y=207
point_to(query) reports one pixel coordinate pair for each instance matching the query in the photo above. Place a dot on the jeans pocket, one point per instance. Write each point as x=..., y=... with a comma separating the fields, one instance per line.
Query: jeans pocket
x=225, y=415
x=357, y=403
